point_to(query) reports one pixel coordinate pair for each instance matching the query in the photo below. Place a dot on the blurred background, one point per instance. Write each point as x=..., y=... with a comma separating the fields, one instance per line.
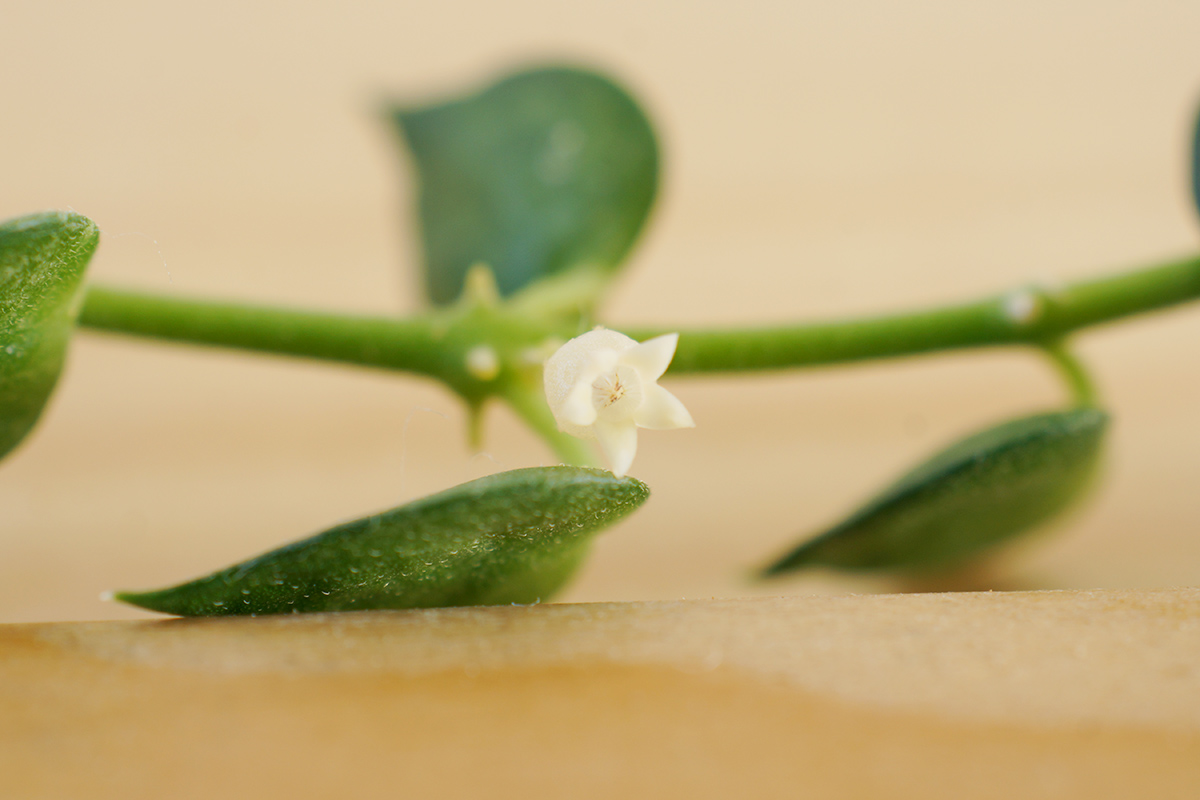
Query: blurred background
x=820, y=160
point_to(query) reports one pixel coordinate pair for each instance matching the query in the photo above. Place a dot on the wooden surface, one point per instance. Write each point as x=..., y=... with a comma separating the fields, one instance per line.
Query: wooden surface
x=991, y=695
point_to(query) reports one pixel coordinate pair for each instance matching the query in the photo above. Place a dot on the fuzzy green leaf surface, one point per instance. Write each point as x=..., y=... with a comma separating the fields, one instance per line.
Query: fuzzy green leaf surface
x=513, y=537
x=974, y=495
x=547, y=171
x=42, y=261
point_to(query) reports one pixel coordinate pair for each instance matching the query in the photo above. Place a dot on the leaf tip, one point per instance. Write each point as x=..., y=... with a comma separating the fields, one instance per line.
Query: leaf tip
x=796, y=559
x=144, y=600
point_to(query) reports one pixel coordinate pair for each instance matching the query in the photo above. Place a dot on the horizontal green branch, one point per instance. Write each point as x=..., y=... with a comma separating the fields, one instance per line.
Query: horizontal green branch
x=434, y=344
x=409, y=345
x=1033, y=315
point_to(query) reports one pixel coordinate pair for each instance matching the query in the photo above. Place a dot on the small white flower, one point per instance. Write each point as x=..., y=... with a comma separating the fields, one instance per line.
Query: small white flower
x=604, y=386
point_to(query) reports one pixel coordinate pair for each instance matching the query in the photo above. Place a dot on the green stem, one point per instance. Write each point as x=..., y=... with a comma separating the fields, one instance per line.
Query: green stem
x=1025, y=316
x=530, y=405
x=1073, y=372
x=422, y=345
x=410, y=345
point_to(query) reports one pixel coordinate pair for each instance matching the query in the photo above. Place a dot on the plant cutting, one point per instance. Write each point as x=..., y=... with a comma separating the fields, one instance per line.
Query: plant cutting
x=532, y=192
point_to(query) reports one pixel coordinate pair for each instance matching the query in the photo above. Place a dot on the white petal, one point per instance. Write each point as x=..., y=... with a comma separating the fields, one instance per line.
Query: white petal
x=618, y=441
x=576, y=361
x=577, y=408
x=661, y=410
x=652, y=357
x=604, y=359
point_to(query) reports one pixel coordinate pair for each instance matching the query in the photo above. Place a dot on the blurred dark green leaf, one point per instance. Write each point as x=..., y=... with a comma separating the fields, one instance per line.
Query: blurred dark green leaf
x=547, y=171
x=1196, y=162
x=42, y=261
x=976, y=494
x=514, y=537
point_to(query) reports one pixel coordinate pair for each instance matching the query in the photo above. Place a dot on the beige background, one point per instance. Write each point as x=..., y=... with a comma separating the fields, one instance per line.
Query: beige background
x=820, y=160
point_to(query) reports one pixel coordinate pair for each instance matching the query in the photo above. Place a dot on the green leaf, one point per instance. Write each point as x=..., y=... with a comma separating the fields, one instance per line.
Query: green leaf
x=548, y=171
x=972, y=496
x=42, y=261
x=513, y=537
x=1196, y=161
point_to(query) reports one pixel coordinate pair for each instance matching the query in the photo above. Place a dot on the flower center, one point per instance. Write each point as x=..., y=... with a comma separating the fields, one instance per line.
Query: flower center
x=617, y=394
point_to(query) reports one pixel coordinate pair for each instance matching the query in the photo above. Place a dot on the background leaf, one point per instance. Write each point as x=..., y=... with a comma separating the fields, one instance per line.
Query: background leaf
x=1196, y=161
x=546, y=171
x=513, y=537
x=42, y=261
x=975, y=494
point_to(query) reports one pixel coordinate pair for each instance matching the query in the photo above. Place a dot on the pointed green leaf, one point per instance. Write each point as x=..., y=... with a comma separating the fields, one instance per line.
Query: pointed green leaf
x=546, y=172
x=42, y=261
x=976, y=494
x=513, y=537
